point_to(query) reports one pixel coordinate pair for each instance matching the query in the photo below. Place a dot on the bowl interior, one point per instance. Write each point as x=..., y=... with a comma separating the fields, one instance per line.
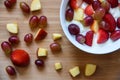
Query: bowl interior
x=96, y=49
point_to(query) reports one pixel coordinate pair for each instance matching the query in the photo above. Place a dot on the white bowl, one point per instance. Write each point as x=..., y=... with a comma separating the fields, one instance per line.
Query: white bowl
x=106, y=48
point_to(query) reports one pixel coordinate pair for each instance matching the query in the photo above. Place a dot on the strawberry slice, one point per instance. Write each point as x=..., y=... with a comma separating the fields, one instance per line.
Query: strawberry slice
x=89, y=10
x=89, y=1
x=102, y=36
x=110, y=22
x=114, y=3
x=115, y=35
x=74, y=4
x=89, y=38
x=20, y=58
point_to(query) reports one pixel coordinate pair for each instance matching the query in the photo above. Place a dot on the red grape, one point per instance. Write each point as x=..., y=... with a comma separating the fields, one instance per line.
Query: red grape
x=99, y=13
x=14, y=40
x=12, y=1
x=80, y=38
x=73, y=29
x=8, y=4
x=69, y=15
x=96, y=4
x=43, y=21
x=33, y=22
x=24, y=7
x=6, y=47
x=88, y=20
x=118, y=22
x=28, y=38
x=10, y=70
x=106, y=6
x=39, y=62
x=55, y=47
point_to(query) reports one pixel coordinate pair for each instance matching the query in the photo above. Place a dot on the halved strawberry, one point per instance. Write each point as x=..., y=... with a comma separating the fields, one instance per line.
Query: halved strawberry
x=102, y=36
x=118, y=22
x=114, y=3
x=109, y=19
x=88, y=1
x=89, y=10
x=89, y=38
x=74, y=4
x=20, y=58
x=115, y=35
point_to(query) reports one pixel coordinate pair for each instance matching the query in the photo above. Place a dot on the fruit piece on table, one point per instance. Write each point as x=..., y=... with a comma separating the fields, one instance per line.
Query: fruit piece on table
x=95, y=27
x=73, y=29
x=35, y=5
x=89, y=38
x=69, y=14
x=90, y=69
x=55, y=47
x=39, y=63
x=41, y=52
x=58, y=66
x=20, y=58
x=114, y=3
x=41, y=34
x=14, y=40
x=28, y=38
x=74, y=4
x=102, y=36
x=34, y=21
x=24, y=7
x=43, y=21
x=6, y=47
x=12, y=28
x=74, y=71
x=10, y=70
x=78, y=14
x=118, y=22
x=115, y=35
x=8, y=4
x=56, y=36
x=12, y=1
x=110, y=22
x=80, y=38
x=89, y=10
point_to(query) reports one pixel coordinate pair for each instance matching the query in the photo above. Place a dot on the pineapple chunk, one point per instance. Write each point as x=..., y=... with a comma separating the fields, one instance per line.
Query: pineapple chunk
x=35, y=5
x=12, y=28
x=78, y=14
x=90, y=69
x=42, y=52
x=58, y=66
x=56, y=36
x=74, y=71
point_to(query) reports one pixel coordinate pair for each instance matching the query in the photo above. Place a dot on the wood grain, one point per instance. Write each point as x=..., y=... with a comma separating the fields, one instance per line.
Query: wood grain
x=108, y=66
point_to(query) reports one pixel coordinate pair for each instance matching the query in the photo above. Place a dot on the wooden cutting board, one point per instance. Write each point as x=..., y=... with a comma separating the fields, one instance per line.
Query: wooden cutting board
x=108, y=66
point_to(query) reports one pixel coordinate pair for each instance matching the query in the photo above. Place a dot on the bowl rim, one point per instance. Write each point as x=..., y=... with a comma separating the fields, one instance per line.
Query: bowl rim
x=62, y=21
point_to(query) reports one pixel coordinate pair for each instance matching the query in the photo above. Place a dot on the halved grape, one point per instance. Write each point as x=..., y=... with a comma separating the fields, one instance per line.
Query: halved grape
x=80, y=38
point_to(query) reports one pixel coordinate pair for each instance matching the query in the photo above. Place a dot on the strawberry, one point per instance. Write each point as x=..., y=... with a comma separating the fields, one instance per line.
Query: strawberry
x=88, y=1
x=89, y=38
x=74, y=4
x=20, y=58
x=102, y=36
x=115, y=35
x=118, y=22
x=114, y=3
x=89, y=10
x=110, y=22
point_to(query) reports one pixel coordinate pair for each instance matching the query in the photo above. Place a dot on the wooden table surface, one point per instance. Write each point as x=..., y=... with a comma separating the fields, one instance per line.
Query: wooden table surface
x=108, y=66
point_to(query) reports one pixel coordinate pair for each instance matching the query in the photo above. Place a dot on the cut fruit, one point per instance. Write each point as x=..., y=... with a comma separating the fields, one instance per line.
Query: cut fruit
x=102, y=36
x=74, y=71
x=41, y=52
x=115, y=35
x=90, y=69
x=56, y=36
x=114, y=3
x=41, y=34
x=12, y=28
x=35, y=5
x=95, y=27
x=89, y=10
x=74, y=4
x=58, y=66
x=78, y=14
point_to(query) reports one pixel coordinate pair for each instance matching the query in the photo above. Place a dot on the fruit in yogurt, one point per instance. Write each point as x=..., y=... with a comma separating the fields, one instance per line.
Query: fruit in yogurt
x=78, y=14
x=74, y=29
x=89, y=10
x=74, y=4
x=115, y=35
x=95, y=26
x=113, y=3
x=69, y=14
x=118, y=22
x=103, y=36
x=80, y=38
x=96, y=4
x=88, y=21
